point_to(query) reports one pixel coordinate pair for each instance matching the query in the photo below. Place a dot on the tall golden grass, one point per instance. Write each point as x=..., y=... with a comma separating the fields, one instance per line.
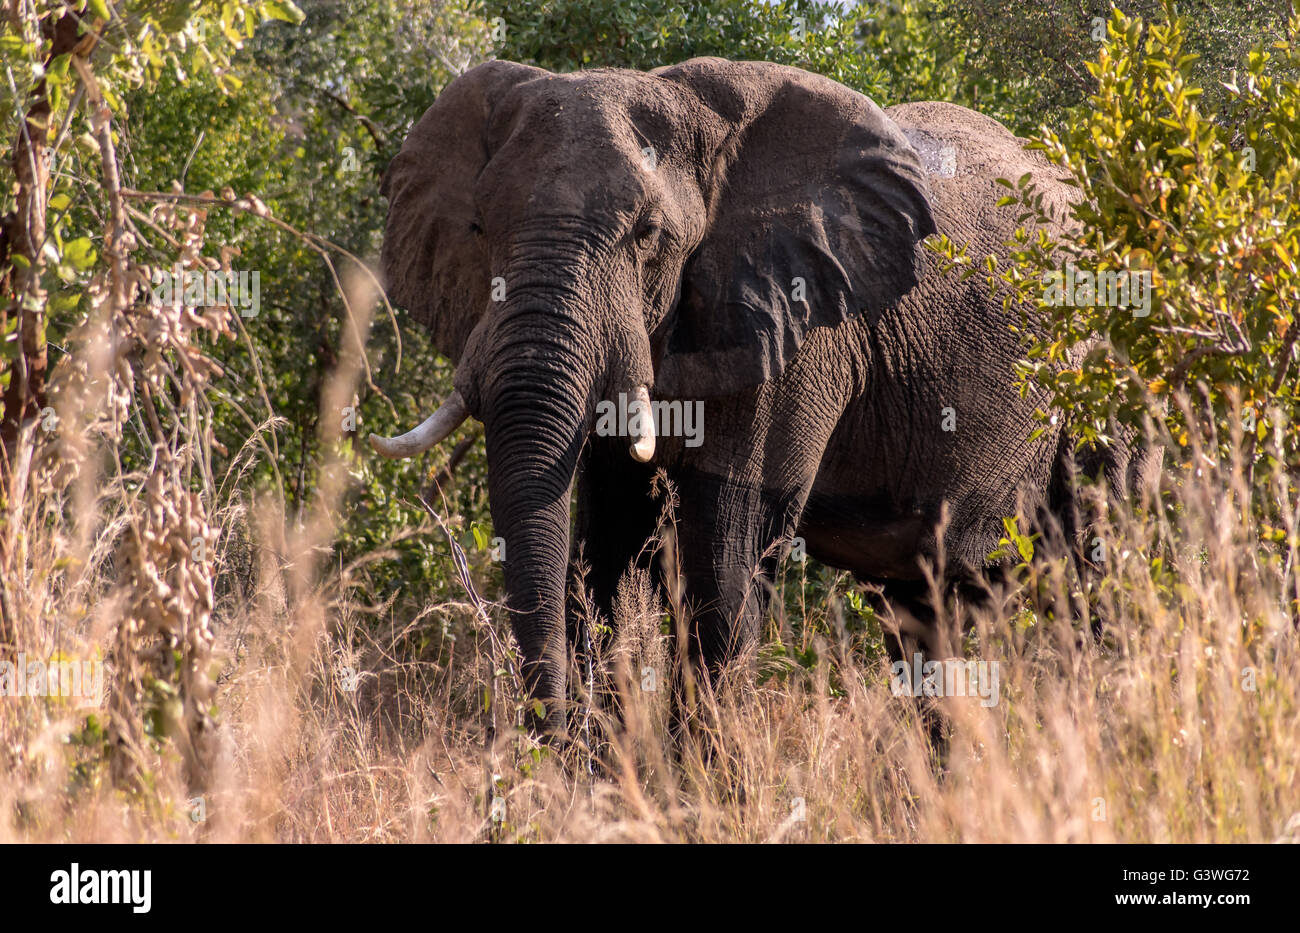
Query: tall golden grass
x=1181, y=724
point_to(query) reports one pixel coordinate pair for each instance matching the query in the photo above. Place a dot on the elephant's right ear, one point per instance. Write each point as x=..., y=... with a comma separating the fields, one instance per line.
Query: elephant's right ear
x=431, y=262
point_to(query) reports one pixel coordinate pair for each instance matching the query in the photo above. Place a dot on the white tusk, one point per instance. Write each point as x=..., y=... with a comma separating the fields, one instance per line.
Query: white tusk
x=641, y=425
x=435, y=429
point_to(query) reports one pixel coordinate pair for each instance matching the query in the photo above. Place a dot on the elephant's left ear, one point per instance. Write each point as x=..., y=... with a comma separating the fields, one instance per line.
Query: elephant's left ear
x=818, y=206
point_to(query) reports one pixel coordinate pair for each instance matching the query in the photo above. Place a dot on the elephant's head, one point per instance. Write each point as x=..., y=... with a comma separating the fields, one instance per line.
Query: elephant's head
x=568, y=238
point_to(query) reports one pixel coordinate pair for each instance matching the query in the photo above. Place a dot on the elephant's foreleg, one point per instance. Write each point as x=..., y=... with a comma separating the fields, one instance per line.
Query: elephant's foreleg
x=741, y=495
x=730, y=543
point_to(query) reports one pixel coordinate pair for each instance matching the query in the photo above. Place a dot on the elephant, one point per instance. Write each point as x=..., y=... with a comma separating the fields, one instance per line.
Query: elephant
x=747, y=239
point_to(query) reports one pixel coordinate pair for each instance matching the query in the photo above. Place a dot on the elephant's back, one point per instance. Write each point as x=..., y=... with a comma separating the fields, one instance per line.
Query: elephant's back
x=964, y=153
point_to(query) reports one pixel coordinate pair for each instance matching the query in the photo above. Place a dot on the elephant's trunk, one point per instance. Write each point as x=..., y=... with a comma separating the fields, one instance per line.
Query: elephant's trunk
x=531, y=371
x=535, y=411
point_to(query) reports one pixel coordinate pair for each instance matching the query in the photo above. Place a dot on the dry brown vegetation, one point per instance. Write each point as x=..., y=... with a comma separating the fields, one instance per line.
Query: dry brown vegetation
x=1183, y=724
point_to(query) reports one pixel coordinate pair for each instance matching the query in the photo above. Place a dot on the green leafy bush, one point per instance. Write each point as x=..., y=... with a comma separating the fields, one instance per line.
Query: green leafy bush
x=1197, y=214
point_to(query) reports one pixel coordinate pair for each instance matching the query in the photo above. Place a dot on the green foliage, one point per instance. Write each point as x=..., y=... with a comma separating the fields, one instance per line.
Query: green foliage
x=820, y=617
x=346, y=83
x=130, y=46
x=882, y=50
x=1025, y=61
x=1208, y=216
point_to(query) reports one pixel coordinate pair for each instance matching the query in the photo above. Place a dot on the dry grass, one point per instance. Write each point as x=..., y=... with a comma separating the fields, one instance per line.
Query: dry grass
x=1182, y=725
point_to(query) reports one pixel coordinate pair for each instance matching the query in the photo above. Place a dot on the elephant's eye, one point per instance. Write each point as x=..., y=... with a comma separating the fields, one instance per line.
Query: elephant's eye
x=647, y=233
x=475, y=227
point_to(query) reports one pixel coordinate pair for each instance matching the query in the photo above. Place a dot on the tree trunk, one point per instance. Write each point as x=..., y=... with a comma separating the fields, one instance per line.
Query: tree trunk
x=23, y=239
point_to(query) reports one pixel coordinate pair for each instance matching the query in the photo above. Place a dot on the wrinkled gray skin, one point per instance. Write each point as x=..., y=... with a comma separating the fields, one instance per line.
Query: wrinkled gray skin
x=823, y=417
